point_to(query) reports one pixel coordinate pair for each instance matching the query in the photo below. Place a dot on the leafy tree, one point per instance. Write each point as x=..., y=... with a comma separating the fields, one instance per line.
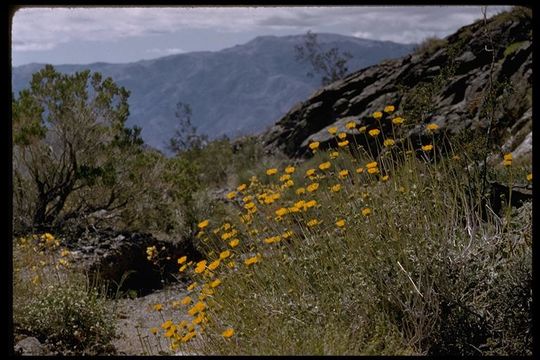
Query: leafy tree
x=331, y=64
x=71, y=147
x=185, y=136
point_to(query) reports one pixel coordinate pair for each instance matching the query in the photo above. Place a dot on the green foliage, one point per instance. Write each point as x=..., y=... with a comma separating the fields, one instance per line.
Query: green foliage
x=510, y=49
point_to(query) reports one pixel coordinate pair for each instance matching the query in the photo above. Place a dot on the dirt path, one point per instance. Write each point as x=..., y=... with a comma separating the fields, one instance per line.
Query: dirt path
x=139, y=313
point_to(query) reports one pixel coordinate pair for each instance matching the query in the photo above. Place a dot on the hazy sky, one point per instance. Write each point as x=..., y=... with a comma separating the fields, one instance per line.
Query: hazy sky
x=84, y=35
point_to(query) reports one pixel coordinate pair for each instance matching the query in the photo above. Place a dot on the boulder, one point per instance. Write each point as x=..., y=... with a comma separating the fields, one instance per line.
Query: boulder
x=30, y=346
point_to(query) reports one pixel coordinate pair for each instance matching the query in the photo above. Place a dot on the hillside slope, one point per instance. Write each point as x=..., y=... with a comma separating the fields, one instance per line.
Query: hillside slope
x=446, y=83
x=235, y=91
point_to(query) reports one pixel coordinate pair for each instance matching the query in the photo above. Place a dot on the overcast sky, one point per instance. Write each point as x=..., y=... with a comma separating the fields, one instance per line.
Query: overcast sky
x=85, y=35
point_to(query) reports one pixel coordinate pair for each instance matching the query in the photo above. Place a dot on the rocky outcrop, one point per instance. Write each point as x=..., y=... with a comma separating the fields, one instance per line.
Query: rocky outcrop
x=448, y=85
x=120, y=259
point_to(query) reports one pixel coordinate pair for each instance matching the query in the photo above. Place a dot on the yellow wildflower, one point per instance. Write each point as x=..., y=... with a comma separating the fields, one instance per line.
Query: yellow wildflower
x=310, y=172
x=186, y=300
x=215, y=283
x=182, y=259
x=271, y=171
x=374, y=132
x=224, y=254
x=167, y=324
x=289, y=169
x=158, y=307
x=228, y=333
x=389, y=142
x=427, y=147
x=300, y=191
x=282, y=212
x=192, y=286
x=332, y=130
x=197, y=308
x=182, y=268
x=310, y=204
x=360, y=170
x=231, y=195
x=343, y=173
x=340, y=223
x=325, y=165
x=336, y=188
x=372, y=164
x=334, y=154
x=432, y=127
x=385, y=178
x=154, y=330
x=398, y=120
x=312, y=187
x=343, y=143
x=285, y=177
x=241, y=187
x=214, y=264
x=366, y=211
x=233, y=243
x=529, y=177
x=203, y=224
x=313, y=222
x=373, y=170
x=314, y=145
x=342, y=135
x=350, y=125
x=251, y=260
x=389, y=108
x=377, y=115
x=362, y=129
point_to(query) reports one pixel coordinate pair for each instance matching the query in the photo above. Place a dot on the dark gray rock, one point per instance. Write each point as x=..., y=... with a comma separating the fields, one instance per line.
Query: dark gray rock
x=457, y=105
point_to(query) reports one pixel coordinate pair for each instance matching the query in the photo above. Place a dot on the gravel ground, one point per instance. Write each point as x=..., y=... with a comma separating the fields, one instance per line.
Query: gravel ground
x=139, y=314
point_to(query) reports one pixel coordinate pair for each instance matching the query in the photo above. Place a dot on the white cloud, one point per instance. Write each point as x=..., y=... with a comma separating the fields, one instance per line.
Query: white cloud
x=45, y=28
x=168, y=51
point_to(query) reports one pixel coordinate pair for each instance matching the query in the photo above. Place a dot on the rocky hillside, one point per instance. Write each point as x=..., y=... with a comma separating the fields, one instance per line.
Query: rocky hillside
x=238, y=90
x=446, y=82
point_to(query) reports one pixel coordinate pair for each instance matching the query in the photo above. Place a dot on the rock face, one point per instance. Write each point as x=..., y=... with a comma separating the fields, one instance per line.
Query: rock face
x=30, y=346
x=111, y=256
x=448, y=85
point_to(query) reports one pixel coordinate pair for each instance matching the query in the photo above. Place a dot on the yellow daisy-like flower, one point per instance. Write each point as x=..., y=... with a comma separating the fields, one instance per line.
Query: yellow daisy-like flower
x=191, y=286
x=313, y=222
x=197, y=308
x=373, y=170
x=228, y=333
x=249, y=206
x=271, y=171
x=334, y=154
x=214, y=264
x=340, y=223
x=374, y=132
x=154, y=330
x=432, y=127
x=300, y=191
x=377, y=115
x=182, y=259
x=309, y=204
x=201, y=266
x=314, y=145
x=251, y=260
x=312, y=187
x=284, y=177
x=167, y=324
x=529, y=177
x=342, y=135
x=215, y=283
x=310, y=172
x=231, y=195
x=182, y=268
x=241, y=187
x=508, y=157
x=224, y=254
x=362, y=129
x=398, y=120
x=332, y=130
x=372, y=164
x=336, y=188
x=234, y=243
x=343, y=143
x=203, y=224
x=366, y=211
x=325, y=165
x=389, y=142
x=282, y=212
x=231, y=264
x=64, y=253
x=389, y=108
x=359, y=170
x=186, y=300
x=385, y=178
x=427, y=147
x=289, y=169
x=188, y=336
x=158, y=307
x=350, y=125
x=343, y=173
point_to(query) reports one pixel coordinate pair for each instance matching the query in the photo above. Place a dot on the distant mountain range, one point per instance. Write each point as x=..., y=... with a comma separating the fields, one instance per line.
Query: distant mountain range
x=236, y=91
